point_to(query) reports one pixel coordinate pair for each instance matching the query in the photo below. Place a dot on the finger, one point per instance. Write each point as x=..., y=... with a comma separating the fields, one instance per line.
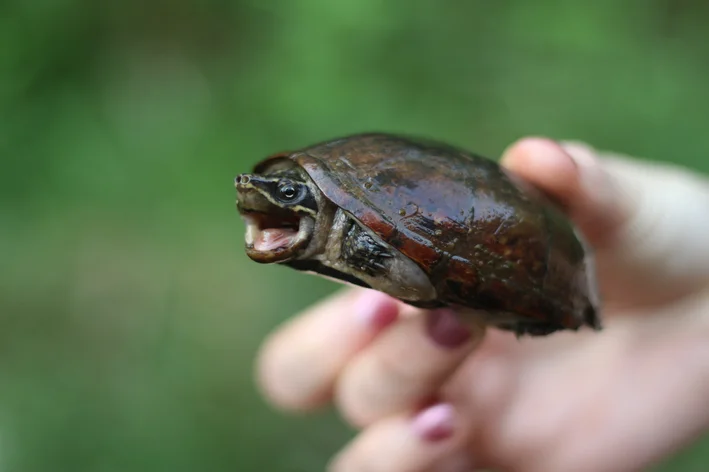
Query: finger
x=299, y=363
x=648, y=222
x=586, y=194
x=666, y=221
x=405, y=366
x=433, y=440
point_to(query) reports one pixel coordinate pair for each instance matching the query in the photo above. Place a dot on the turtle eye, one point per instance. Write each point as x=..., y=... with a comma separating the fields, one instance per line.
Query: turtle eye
x=287, y=191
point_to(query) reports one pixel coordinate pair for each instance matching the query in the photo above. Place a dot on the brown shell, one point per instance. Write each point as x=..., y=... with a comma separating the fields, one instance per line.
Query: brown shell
x=484, y=241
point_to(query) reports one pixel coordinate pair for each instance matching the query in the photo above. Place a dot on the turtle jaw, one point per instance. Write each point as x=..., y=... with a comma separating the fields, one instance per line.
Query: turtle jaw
x=268, y=241
x=273, y=234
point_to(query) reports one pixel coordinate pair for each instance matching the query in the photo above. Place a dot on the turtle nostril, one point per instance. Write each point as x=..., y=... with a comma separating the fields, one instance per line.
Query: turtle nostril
x=243, y=179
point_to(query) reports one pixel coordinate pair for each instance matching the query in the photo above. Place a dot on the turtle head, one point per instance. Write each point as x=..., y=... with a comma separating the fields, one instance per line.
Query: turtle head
x=292, y=219
x=280, y=209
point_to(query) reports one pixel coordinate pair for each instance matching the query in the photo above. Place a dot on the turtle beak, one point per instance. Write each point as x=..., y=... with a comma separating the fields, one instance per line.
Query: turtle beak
x=250, y=189
x=243, y=182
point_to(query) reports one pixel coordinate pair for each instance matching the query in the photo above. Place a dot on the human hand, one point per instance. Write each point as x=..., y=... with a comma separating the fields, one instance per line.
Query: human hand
x=430, y=395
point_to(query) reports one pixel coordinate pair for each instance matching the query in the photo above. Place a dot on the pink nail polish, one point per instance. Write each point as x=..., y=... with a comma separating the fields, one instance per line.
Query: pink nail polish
x=445, y=329
x=375, y=309
x=435, y=423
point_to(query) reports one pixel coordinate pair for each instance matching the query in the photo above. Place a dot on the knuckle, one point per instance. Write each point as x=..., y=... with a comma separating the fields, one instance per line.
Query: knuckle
x=285, y=384
x=377, y=386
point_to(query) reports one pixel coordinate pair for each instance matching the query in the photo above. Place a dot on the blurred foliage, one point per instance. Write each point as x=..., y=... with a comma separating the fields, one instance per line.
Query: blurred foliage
x=129, y=315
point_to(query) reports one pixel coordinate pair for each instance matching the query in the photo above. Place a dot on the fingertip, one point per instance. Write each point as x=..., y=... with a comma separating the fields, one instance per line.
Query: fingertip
x=432, y=439
x=435, y=423
x=298, y=364
x=376, y=310
x=447, y=330
x=279, y=386
x=572, y=176
x=545, y=165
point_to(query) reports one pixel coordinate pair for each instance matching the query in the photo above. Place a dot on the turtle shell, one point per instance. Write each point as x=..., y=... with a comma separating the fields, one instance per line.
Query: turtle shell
x=485, y=242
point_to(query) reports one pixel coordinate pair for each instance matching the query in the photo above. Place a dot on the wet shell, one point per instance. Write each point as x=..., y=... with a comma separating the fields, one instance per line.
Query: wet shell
x=485, y=241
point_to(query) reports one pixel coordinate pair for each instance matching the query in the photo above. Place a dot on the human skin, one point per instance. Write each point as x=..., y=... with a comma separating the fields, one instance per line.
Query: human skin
x=429, y=394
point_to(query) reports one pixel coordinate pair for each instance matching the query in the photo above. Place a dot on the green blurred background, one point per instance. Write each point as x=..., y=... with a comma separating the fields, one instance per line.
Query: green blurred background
x=129, y=314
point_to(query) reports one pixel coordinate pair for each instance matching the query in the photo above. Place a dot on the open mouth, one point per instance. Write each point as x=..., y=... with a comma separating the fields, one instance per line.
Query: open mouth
x=275, y=237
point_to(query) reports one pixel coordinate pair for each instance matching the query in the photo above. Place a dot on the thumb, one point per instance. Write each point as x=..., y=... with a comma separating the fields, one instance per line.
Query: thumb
x=648, y=222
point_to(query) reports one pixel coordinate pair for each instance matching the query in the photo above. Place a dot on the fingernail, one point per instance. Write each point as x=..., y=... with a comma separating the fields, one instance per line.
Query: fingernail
x=445, y=329
x=551, y=152
x=581, y=154
x=605, y=206
x=587, y=160
x=375, y=309
x=435, y=423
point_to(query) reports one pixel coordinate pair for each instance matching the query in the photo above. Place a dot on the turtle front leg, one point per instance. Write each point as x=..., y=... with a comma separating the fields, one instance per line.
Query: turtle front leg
x=362, y=252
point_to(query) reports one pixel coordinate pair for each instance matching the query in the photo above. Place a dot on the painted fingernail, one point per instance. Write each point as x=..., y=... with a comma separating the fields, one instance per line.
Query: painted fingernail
x=435, y=423
x=375, y=309
x=445, y=329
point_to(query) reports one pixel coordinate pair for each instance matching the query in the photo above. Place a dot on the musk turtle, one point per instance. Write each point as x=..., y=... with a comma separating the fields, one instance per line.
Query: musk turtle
x=425, y=222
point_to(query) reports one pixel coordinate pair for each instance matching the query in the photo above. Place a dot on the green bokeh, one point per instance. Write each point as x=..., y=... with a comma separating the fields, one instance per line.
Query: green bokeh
x=129, y=314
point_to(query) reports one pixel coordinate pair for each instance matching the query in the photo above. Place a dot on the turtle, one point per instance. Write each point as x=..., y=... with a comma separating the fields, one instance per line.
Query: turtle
x=428, y=223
